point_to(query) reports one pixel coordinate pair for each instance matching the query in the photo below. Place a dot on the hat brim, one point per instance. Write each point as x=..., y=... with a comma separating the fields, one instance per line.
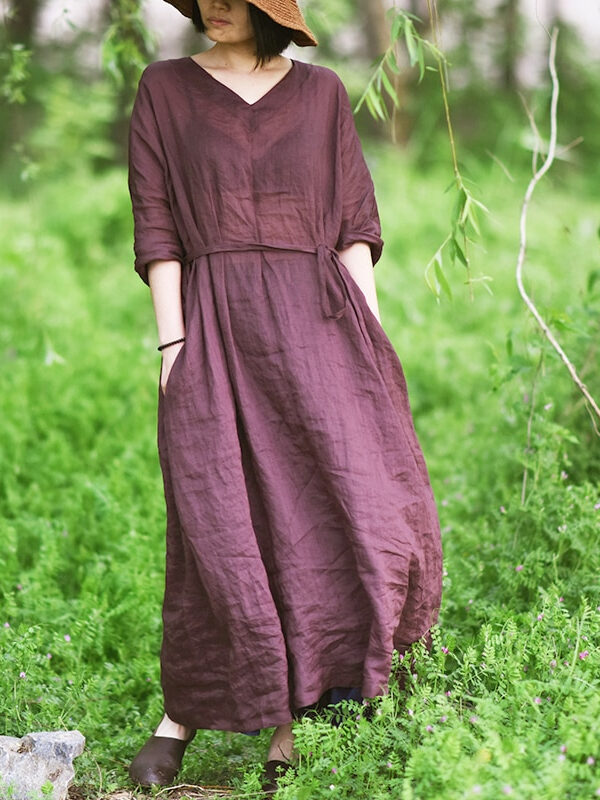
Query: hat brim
x=281, y=11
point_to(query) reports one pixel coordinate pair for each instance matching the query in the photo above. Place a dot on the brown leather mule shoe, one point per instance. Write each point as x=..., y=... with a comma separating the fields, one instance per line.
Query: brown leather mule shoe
x=159, y=760
x=274, y=769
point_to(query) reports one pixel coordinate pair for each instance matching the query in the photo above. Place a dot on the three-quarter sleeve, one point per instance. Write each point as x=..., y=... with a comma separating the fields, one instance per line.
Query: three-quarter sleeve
x=360, y=217
x=155, y=232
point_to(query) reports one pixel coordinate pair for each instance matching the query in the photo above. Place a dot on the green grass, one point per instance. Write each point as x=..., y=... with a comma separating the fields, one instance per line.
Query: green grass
x=81, y=537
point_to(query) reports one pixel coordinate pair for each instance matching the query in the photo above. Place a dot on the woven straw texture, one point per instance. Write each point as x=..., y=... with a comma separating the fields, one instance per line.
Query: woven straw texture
x=285, y=12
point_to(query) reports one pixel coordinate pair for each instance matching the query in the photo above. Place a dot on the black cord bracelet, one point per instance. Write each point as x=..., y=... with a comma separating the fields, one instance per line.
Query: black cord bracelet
x=169, y=344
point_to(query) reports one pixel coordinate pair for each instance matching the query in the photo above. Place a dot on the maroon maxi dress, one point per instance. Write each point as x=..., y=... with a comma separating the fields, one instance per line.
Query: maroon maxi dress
x=302, y=537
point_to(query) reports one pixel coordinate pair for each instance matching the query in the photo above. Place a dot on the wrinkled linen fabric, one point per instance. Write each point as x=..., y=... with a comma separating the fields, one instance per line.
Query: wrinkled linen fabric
x=303, y=542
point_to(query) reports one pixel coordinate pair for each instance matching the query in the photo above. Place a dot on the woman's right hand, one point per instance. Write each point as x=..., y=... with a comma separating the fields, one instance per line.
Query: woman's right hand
x=168, y=359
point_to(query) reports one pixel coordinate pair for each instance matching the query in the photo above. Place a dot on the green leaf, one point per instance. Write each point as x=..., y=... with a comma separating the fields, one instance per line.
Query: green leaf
x=439, y=274
x=390, y=89
x=410, y=44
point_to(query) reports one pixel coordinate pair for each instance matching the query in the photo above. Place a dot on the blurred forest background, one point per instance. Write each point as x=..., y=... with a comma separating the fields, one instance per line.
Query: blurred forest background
x=71, y=68
x=508, y=701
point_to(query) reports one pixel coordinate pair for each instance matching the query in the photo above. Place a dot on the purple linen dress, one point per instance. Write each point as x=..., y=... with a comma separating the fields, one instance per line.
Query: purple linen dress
x=302, y=537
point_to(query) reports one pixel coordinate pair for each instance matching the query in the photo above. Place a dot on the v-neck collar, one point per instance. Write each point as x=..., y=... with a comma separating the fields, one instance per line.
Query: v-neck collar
x=230, y=91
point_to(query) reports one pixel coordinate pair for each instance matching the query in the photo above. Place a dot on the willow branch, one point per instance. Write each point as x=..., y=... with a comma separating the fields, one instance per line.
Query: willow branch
x=538, y=175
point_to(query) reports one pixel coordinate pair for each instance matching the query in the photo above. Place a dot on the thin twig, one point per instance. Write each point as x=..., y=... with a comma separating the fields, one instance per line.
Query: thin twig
x=538, y=175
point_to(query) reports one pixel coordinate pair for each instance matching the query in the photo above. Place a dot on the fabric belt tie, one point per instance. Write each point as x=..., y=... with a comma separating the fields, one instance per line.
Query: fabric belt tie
x=332, y=283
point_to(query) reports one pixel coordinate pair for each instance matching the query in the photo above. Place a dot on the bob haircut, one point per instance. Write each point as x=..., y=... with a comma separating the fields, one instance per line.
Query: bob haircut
x=271, y=37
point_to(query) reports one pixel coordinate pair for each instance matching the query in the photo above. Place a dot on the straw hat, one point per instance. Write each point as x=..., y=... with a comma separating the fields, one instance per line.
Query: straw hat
x=285, y=12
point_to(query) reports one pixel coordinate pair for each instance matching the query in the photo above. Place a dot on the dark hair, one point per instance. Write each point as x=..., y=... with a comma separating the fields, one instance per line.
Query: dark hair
x=271, y=37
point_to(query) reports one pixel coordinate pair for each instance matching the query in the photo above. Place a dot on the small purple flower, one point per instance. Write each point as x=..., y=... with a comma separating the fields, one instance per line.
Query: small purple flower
x=148, y=680
x=476, y=789
x=525, y=668
x=334, y=770
x=448, y=693
x=48, y=656
x=19, y=587
x=563, y=748
x=597, y=507
x=332, y=786
x=389, y=765
x=561, y=757
x=22, y=675
x=444, y=718
x=506, y=789
x=410, y=712
x=591, y=761
x=429, y=729
x=537, y=700
x=548, y=406
x=553, y=664
x=473, y=719
x=563, y=475
x=445, y=651
x=7, y=624
x=519, y=568
x=561, y=599
x=67, y=637
x=583, y=655
x=502, y=510
x=540, y=617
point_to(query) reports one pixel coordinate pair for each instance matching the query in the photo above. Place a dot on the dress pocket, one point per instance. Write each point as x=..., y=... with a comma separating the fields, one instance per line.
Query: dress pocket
x=172, y=374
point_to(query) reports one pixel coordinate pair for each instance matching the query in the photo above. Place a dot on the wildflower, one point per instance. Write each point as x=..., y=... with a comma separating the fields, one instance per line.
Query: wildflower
x=537, y=700
x=429, y=729
x=476, y=789
x=378, y=712
x=334, y=770
x=563, y=475
x=506, y=789
x=583, y=655
x=444, y=502
x=561, y=599
x=445, y=651
x=585, y=638
x=410, y=712
x=540, y=617
x=525, y=668
x=597, y=507
x=389, y=765
x=48, y=656
x=548, y=406
x=22, y=675
x=7, y=624
x=563, y=748
x=67, y=637
x=444, y=718
x=598, y=792
x=19, y=587
x=473, y=719
x=448, y=693
x=332, y=786
x=519, y=567
x=591, y=761
x=553, y=664
x=148, y=680
x=561, y=757
x=561, y=528
x=502, y=510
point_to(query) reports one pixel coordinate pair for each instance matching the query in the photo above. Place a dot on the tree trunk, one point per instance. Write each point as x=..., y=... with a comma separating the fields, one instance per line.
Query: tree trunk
x=21, y=21
x=377, y=30
x=511, y=48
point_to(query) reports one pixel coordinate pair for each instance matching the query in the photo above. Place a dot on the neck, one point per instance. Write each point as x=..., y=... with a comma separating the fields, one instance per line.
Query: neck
x=239, y=57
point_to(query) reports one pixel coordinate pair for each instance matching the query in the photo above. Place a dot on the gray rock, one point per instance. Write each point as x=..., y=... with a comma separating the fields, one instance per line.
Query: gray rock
x=39, y=766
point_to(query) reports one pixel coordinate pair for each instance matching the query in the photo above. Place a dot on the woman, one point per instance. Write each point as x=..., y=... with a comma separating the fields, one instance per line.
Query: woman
x=302, y=537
